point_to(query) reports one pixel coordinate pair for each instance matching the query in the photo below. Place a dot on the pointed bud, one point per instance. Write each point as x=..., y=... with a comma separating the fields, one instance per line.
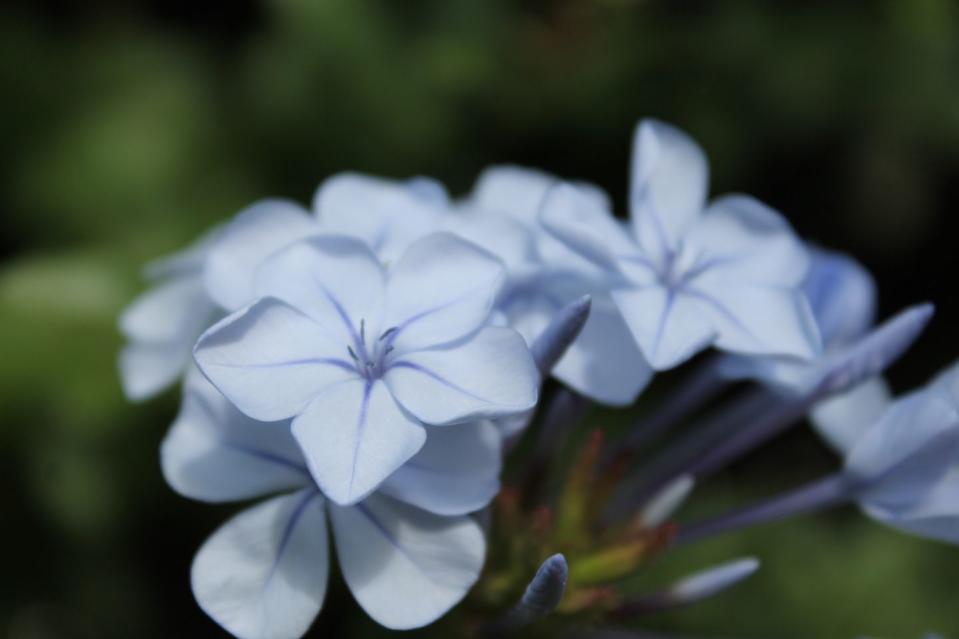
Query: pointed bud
x=546, y=589
x=709, y=582
x=665, y=502
x=552, y=343
x=876, y=351
x=542, y=596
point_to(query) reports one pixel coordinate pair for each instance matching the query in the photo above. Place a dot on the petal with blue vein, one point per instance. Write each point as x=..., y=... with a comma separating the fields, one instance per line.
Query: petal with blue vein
x=255, y=233
x=490, y=374
x=756, y=319
x=455, y=473
x=594, y=233
x=406, y=567
x=263, y=574
x=669, y=178
x=333, y=279
x=354, y=436
x=440, y=290
x=741, y=239
x=669, y=327
x=215, y=453
x=271, y=360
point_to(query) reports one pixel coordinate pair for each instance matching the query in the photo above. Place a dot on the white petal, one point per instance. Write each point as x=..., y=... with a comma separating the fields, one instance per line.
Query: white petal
x=501, y=235
x=406, y=567
x=147, y=368
x=162, y=325
x=669, y=179
x=741, y=239
x=842, y=419
x=758, y=320
x=936, y=516
x=669, y=328
x=271, y=360
x=491, y=374
x=387, y=215
x=441, y=289
x=456, y=472
x=912, y=445
x=842, y=295
x=605, y=363
x=334, y=279
x=215, y=453
x=255, y=233
x=168, y=312
x=353, y=437
x=518, y=192
x=593, y=232
x=188, y=262
x=263, y=574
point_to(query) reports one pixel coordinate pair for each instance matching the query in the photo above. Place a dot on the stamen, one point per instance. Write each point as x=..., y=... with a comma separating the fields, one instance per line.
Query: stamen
x=353, y=354
x=363, y=331
x=389, y=349
x=387, y=333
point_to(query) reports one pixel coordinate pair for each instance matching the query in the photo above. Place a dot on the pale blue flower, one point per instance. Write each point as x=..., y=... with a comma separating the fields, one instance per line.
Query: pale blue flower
x=904, y=455
x=915, y=443
x=408, y=553
x=604, y=362
x=362, y=357
x=689, y=276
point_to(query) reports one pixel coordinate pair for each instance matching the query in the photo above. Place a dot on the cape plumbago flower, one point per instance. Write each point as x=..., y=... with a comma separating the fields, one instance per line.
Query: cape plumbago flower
x=915, y=446
x=361, y=357
x=689, y=276
x=604, y=362
x=408, y=553
x=380, y=350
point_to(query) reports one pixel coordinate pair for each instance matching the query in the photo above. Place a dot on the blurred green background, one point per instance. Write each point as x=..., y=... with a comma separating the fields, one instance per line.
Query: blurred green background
x=130, y=126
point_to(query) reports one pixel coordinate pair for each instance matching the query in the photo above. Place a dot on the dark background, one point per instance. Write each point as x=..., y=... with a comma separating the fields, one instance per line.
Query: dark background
x=128, y=127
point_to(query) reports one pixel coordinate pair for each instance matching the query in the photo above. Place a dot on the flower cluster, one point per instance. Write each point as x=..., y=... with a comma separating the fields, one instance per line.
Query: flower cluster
x=363, y=366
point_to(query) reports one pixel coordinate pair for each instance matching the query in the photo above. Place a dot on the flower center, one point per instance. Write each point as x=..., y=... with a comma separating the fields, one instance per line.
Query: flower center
x=670, y=273
x=371, y=361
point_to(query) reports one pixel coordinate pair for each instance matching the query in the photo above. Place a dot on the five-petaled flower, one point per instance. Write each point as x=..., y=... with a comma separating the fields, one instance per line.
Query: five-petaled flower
x=688, y=276
x=408, y=553
x=362, y=357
